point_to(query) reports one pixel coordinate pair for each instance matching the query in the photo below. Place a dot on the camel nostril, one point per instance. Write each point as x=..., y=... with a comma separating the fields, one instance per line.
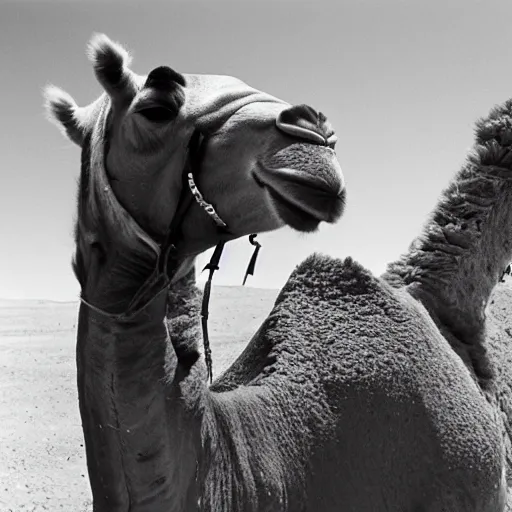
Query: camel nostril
x=304, y=122
x=298, y=112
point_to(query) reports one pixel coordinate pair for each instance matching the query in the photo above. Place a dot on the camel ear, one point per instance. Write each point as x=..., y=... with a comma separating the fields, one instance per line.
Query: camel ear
x=111, y=67
x=64, y=112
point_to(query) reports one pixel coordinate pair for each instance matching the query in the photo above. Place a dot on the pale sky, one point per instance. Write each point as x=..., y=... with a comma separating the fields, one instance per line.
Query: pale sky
x=402, y=82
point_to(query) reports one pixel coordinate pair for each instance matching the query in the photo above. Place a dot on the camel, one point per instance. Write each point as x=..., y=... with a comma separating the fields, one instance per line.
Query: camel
x=356, y=393
x=172, y=164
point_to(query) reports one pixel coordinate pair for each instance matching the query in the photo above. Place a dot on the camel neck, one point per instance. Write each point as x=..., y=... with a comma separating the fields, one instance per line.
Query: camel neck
x=454, y=265
x=139, y=442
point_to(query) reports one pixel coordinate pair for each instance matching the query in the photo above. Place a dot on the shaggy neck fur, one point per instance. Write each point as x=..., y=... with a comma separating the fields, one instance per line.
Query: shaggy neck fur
x=453, y=266
x=244, y=461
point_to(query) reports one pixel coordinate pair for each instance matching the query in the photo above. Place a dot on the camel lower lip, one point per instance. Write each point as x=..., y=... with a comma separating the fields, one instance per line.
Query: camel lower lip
x=299, y=218
x=292, y=215
x=305, y=215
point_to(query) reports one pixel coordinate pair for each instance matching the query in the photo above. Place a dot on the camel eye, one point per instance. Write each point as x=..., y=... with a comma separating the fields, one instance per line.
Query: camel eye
x=157, y=114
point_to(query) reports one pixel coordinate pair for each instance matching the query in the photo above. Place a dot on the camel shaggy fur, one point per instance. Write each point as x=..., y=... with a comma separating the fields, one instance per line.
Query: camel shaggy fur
x=409, y=429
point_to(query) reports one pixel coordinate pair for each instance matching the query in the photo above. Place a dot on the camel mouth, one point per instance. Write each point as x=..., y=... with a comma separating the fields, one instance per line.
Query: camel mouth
x=305, y=185
x=300, y=219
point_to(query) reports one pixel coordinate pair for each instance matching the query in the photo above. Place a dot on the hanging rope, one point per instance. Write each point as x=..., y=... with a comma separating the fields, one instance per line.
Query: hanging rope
x=252, y=262
x=212, y=266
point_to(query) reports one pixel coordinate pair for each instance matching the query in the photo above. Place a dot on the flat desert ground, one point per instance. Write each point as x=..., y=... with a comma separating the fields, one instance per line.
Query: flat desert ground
x=42, y=460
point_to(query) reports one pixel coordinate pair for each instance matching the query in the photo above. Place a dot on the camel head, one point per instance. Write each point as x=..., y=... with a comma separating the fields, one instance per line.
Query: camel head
x=259, y=161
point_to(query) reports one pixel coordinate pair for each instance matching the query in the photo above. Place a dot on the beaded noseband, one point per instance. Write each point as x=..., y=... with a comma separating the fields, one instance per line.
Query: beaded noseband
x=193, y=166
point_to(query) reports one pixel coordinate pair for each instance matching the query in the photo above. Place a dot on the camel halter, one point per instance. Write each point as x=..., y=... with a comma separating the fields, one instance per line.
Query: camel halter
x=192, y=167
x=196, y=149
x=167, y=261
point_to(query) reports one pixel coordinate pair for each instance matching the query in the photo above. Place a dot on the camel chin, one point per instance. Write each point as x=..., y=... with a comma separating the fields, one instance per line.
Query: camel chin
x=305, y=185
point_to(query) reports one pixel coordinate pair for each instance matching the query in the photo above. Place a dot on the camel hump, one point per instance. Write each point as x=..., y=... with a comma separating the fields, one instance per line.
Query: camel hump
x=398, y=389
x=328, y=277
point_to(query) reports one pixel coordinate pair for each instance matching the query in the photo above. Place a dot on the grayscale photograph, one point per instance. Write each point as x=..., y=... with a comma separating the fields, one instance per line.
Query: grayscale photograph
x=256, y=256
